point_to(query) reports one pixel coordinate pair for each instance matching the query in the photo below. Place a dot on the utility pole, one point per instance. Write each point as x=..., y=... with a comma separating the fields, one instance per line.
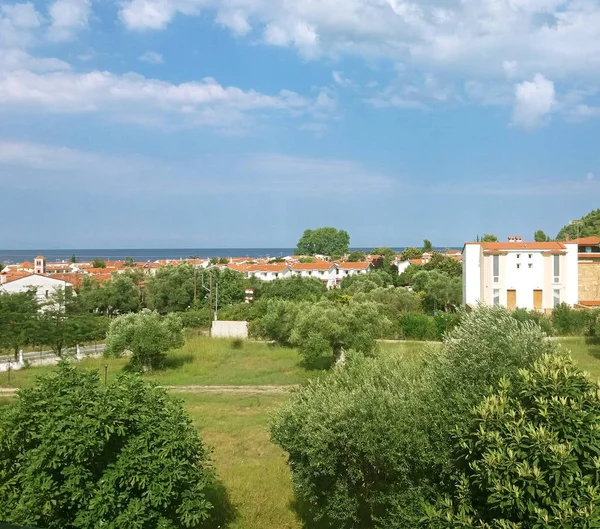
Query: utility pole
x=195, y=289
x=210, y=295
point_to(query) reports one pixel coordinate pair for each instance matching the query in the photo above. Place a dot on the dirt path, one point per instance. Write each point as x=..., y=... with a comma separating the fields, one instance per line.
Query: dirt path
x=246, y=390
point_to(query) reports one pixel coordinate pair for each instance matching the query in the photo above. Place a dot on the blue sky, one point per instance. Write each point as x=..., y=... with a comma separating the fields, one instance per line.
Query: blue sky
x=239, y=123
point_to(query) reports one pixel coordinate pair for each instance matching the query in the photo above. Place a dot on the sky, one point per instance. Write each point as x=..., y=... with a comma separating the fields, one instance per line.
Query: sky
x=241, y=123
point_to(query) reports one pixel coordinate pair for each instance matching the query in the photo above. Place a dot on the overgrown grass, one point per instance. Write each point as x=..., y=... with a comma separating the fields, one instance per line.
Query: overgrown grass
x=201, y=361
x=586, y=353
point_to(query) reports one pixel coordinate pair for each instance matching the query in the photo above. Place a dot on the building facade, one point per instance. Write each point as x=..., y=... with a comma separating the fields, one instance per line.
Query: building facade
x=517, y=274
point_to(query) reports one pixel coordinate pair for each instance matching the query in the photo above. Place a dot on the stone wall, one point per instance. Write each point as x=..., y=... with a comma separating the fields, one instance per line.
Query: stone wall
x=589, y=281
x=229, y=329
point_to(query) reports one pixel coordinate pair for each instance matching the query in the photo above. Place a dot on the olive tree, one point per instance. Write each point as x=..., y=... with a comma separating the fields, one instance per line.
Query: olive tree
x=77, y=454
x=148, y=335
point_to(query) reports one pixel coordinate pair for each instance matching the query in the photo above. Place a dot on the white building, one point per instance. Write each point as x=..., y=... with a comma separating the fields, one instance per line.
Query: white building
x=44, y=286
x=517, y=274
x=268, y=272
x=323, y=270
x=347, y=269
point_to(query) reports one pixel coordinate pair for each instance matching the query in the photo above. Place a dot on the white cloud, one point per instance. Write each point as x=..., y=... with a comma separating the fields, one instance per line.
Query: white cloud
x=68, y=17
x=151, y=14
x=152, y=57
x=15, y=59
x=235, y=20
x=18, y=23
x=340, y=79
x=534, y=101
x=137, y=99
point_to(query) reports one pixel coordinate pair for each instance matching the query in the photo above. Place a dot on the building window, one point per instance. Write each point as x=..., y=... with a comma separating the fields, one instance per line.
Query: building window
x=556, y=297
x=496, y=267
x=518, y=256
x=530, y=265
x=557, y=268
x=496, y=296
x=46, y=294
x=322, y=273
x=518, y=265
x=588, y=249
x=276, y=274
x=310, y=273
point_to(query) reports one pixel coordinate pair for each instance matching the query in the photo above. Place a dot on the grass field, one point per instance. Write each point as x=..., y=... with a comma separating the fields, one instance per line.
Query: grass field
x=252, y=470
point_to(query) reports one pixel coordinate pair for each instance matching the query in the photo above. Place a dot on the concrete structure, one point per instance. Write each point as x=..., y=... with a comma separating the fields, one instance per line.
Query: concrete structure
x=229, y=329
x=588, y=249
x=44, y=286
x=347, y=269
x=323, y=270
x=517, y=274
x=267, y=272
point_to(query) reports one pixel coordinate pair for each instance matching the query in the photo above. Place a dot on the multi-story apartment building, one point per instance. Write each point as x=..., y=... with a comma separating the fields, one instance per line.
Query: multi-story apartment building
x=517, y=274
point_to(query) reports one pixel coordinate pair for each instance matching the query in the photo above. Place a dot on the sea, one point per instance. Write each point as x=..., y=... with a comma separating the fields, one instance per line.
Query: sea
x=147, y=254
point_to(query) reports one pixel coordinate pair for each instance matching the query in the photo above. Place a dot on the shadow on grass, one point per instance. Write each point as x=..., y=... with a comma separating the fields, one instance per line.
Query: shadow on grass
x=323, y=363
x=223, y=512
x=594, y=343
x=303, y=512
x=175, y=362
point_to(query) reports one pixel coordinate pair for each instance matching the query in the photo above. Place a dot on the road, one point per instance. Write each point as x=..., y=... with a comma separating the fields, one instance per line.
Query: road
x=40, y=355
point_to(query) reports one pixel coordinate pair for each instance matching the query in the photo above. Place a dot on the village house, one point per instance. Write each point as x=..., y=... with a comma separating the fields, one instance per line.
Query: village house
x=44, y=286
x=518, y=274
x=323, y=270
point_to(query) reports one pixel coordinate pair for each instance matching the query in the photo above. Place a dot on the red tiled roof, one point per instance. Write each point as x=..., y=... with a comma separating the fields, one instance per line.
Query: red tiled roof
x=592, y=303
x=26, y=264
x=318, y=265
x=587, y=241
x=276, y=267
x=419, y=262
x=501, y=246
x=353, y=266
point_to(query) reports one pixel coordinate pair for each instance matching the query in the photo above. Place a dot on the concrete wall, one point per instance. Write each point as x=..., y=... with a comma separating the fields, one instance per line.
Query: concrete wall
x=589, y=281
x=229, y=329
x=471, y=274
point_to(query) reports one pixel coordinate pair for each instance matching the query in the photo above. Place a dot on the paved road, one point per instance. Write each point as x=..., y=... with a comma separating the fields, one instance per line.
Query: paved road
x=38, y=355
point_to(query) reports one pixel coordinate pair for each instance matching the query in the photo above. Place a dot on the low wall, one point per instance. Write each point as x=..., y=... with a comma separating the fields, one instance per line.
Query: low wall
x=229, y=329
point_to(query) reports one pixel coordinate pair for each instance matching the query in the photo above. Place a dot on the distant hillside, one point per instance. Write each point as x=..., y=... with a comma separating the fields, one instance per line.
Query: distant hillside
x=585, y=227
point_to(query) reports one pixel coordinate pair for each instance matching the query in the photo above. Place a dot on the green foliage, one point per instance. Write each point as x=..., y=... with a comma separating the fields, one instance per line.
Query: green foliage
x=489, y=237
x=328, y=330
x=569, y=322
x=366, y=282
x=393, y=302
x=540, y=236
x=276, y=319
x=357, y=256
x=235, y=312
x=416, y=326
x=440, y=291
x=370, y=443
x=230, y=284
x=148, y=336
x=119, y=295
x=535, y=316
x=529, y=458
x=386, y=256
x=73, y=259
x=98, y=263
x=587, y=226
x=593, y=326
x=411, y=253
x=171, y=289
x=18, y=318
x=323, y=241
x=445, y=264
x=295, y=288
x=193, y=319
x=76, y=454
x=427, y=246
x=129, y=261
x=406, y=278
x=307, y=260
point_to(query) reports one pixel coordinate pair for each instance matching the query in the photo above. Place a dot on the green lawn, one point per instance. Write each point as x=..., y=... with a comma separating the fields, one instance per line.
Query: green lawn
x=586, y=354
x=202, y=361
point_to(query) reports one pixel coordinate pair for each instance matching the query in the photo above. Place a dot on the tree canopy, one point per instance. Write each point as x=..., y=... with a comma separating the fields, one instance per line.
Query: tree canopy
x=356, y=256
x=324, y=241
x=587, y=226
x=411, y=253
x=99, y=263
x=18, y=313
x=489, y=237
x=77, y=454
x=540, y=236
x=427, y=246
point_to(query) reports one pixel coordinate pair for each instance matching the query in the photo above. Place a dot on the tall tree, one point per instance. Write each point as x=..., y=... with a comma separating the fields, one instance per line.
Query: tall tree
x=385, y=259
x=540, y=236
x=73, y=258
x=440, y=291
x=411, y=253
x=427, y=246
x=77, y=454
x=18, y=315
x=323, y=241
x=489, y=237
x=446, y=264
x=356, y=256
x=98, y=263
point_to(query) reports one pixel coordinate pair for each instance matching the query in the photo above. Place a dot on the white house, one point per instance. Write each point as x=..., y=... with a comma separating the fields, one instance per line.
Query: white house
x=347, y=269
x=323, y=270
x=268, y=272
x=44, y=286
x=517, y=274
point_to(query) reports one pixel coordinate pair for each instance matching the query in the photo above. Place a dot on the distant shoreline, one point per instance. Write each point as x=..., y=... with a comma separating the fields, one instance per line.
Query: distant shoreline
x=153, y=254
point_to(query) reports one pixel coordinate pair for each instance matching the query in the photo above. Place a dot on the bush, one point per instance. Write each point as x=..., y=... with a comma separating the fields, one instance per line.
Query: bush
x=415, y=326
x=539, y=318
x=235, y=312
x=445, y=322
x=77, y=454
x=530, y=456
x=193, y=319
x=371, y=443
x=237, y=343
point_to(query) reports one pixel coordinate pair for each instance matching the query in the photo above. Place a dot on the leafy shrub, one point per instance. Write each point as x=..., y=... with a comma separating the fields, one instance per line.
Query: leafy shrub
x=535, y=316
x=416, y=326
x=295, y=288
x=194, y=319
x=530, y=457
x=237, y=343
x=74, y=453
x=235, y=312
x=445, y=322
x=371, y=443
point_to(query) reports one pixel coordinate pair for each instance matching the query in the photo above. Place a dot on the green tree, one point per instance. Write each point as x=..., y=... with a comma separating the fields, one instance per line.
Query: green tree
x=18, y=319
x=73, y=258
x=587, y=226
x=489, y=237
x=540, y=236
x=296, y=288
x=357, y=256
x=329, y=330
x=440, y=291
x=129, y=261
x=385, y=259
x=427, y=246
x=77, y=454
x=411, y=253
x=277, y=319
x=323, y=241
x=370, y=443
x=366, y=282
x=172, y=288
x=530, y=455
x=445, y=264
x=148, y=335
x=98, y=263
